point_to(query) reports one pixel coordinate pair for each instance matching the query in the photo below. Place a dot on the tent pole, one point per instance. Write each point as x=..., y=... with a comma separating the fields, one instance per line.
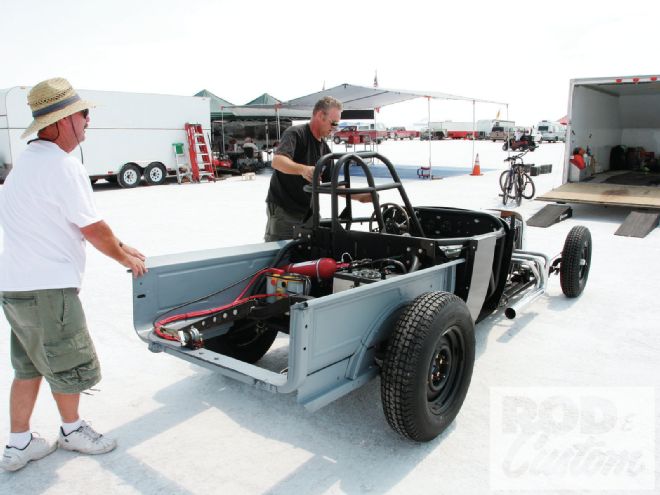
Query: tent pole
x=222, y=126
x=474, y=130
x=428, y=115
x=375, y=143
x=277, y=113
x=266, y=123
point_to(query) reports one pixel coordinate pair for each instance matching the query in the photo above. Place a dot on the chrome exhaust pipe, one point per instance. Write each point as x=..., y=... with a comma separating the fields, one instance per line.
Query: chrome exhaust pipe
x=512, y=311
x=538, y=264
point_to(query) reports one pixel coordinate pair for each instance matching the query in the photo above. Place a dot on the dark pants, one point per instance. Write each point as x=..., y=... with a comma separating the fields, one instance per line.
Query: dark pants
x=279, y=226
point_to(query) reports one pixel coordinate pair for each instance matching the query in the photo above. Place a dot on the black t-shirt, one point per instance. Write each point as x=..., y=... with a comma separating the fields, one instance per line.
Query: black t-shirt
x=286, y=190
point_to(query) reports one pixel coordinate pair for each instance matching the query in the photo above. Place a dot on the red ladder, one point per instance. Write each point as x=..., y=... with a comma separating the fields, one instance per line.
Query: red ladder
x=201, y=159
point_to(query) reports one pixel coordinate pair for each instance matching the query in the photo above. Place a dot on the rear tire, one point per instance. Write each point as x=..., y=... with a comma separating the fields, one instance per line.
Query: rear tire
x=529, y=190
x=575, y=261
x=503, y=177
x=336, y=140
x=506, y=190
x=155, y=174
x=428, y=366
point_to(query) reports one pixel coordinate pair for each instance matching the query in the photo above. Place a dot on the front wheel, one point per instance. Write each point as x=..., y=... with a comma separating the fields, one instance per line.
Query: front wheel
x=428, y=366
x=575, y=261
x=129, y=175
x=505, y=146
x=519, y=187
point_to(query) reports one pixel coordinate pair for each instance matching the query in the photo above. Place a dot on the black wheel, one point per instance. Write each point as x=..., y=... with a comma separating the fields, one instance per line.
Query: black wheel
x=247, y=342
x=519, y=187
x=503, y=177
x=529, y=190
x=507, y=189
x=336, y=140
x=155, y=174
x=575, y=261
x=505, y=146
x=428, y=366
x=129, y=175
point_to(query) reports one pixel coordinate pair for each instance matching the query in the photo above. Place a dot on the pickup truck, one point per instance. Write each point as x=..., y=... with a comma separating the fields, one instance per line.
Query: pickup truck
x=396, y=293
x=397, y=133
x=359, y=135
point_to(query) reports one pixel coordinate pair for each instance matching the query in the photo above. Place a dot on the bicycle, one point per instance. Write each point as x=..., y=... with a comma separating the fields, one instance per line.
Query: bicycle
x=516, y=182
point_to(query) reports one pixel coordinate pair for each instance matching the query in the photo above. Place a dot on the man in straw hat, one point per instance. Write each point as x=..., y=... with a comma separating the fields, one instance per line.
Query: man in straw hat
x=47, y=212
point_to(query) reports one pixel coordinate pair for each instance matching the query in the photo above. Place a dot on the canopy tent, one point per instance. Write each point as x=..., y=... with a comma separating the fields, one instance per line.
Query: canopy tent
x=219, y=107
x=366, y=98
x=362, y=97
x=264, y=99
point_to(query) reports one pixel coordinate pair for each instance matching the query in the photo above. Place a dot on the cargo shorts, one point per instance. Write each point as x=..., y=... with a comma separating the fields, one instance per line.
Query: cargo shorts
x=49, y=338
x=279, y=226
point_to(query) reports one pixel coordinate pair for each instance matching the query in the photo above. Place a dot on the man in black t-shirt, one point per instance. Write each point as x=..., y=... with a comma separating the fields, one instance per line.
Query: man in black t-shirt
x=301, y=146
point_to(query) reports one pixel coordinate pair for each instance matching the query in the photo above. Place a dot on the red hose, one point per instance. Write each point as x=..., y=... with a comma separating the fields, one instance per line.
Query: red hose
x=203, y=312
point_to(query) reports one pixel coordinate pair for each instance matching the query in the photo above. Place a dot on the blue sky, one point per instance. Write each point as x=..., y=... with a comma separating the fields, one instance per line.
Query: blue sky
x=492, y=50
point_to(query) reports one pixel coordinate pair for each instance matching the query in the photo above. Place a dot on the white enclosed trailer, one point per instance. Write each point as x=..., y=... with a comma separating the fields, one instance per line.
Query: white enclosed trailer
x=130, y=135
x=606, y=114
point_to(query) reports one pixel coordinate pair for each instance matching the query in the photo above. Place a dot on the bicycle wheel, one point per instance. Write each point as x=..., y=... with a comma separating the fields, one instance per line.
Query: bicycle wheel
x=519, y=184
x=507, y=189
x=503, y=176
x=530, y=189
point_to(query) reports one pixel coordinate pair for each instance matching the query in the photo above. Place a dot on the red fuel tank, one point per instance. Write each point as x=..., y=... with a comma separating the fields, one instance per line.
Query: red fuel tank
x=321, y=268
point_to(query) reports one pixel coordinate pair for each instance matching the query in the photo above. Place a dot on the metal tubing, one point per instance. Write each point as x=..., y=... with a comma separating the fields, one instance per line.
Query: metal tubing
x=512, y=310
x=538, y=263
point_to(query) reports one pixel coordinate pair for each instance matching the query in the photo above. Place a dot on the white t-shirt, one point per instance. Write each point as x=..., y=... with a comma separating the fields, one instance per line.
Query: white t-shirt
x=45, y=201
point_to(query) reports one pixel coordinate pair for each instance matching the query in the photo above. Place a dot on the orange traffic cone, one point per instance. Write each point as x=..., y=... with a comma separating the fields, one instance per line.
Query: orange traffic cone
x=476, y=170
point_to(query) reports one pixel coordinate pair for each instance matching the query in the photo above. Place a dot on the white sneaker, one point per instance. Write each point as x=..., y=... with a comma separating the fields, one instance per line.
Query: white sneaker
x=86, y=441
x=14, y=458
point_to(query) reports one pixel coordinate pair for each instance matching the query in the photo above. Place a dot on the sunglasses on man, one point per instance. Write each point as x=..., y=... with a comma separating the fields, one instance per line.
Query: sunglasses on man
x=85, y=112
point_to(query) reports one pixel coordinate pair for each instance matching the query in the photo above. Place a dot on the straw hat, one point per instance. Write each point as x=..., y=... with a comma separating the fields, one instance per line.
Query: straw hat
x=51, y=101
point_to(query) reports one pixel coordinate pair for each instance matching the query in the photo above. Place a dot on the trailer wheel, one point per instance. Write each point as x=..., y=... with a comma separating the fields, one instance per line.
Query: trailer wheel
x=428, y=366
x=248, y=342
x=129, y=175
x=155, y=174
x=575, y=261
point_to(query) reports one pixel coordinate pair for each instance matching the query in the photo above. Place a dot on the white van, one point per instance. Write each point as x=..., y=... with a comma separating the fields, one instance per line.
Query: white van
x=551, y=131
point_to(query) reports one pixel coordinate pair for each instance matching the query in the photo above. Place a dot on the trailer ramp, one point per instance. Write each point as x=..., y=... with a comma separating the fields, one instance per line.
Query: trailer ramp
x=550, y=215
x=639, y=223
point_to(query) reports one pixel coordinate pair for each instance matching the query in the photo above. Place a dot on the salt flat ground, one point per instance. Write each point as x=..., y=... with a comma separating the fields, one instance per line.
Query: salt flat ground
x=186, y=430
